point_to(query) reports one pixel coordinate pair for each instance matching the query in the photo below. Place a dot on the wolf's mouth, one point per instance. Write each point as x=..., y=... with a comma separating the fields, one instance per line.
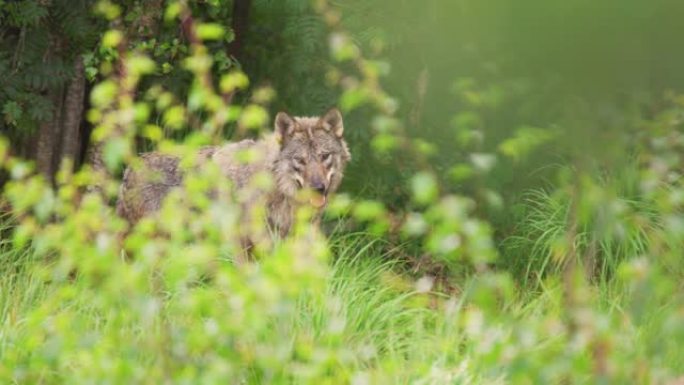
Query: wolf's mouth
x=318, y=200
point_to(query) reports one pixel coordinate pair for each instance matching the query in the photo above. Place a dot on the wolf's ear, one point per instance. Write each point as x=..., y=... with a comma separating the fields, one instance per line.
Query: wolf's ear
x=332, y=121
x=284, y=125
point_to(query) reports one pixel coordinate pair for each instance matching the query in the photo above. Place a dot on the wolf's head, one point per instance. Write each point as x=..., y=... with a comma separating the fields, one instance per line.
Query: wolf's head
x=312, y=155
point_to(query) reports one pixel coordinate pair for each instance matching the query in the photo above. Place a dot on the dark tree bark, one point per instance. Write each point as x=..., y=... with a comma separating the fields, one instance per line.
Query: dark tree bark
x=49, y=131
x=47, y=141
x=73, y=111
x=239, y=25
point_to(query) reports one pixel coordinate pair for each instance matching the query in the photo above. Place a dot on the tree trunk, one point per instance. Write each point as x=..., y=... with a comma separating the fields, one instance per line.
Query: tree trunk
x=239, y=25
x=48, y=137
x=73, y=111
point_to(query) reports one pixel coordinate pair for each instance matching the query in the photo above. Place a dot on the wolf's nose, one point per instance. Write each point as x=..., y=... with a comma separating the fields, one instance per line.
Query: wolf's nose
x=318, y=187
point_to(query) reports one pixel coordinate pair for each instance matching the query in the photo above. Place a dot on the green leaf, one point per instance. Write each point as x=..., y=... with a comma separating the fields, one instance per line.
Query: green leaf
x=236, y=80
x=368, y=210
x=525, y=141
x=172, y=11
x=114, y=152
x=141, y=112
x=12, y=112
x=424, y=188
x=107, y=9
x=140, y=65
x=153, y=132
x=483, y=162
x=461, y=172
x=385, y=124
x=342, y=47
x=91, y=73
x=415, y=225
x=353, y=98
x=174, y=117
x=254, y=117
x=210, y=31
x=112, y=38
x=383, y=143
x=103, y=94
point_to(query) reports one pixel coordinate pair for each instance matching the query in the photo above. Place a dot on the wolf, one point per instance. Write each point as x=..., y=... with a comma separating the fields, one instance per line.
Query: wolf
x=304, y=156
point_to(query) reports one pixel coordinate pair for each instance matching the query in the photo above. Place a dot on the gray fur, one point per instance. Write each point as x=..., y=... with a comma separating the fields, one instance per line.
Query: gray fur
x=303, y=153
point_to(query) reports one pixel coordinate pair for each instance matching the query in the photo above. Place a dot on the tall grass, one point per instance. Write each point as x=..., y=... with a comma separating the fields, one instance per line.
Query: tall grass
x=602, y=244
x=375, y=325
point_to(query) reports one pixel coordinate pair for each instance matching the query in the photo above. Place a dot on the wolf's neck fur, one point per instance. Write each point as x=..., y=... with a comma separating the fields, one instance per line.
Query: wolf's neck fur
x=281, y=211
x=280, y=203
x=279, y=200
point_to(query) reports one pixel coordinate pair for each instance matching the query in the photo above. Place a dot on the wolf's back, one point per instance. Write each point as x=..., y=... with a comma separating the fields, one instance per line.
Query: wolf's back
x=142, y=190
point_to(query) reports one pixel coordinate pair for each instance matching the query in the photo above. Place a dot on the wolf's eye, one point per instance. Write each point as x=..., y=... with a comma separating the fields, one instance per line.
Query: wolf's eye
x=298, y=162
x=326, y=157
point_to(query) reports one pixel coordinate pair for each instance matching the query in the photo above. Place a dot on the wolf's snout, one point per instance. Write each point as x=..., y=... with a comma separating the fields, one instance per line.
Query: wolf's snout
x=318, y=186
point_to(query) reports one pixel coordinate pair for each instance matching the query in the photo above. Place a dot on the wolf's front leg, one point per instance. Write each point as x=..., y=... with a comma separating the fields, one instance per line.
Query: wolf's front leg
x=244, y=255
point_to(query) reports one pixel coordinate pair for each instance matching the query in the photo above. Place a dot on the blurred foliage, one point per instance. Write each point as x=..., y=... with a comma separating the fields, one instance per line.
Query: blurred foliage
x=513, y=212
x=39, y=40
